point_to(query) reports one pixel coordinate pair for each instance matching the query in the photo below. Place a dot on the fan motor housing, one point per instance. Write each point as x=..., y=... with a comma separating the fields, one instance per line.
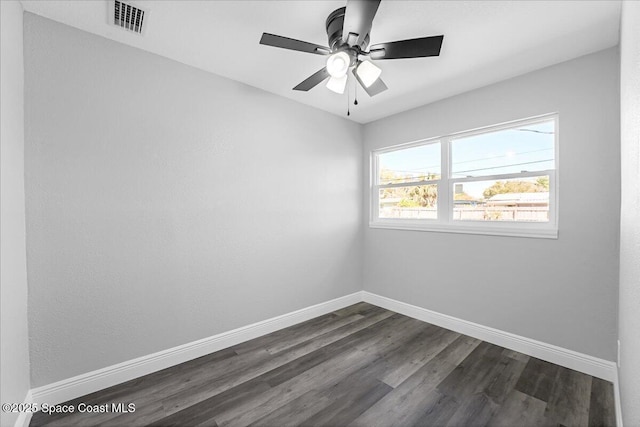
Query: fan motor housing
x=334, y=24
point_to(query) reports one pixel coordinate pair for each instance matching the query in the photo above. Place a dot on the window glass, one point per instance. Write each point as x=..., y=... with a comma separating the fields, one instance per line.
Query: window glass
x=415, y=164
x=503, y=175
x=518, y=199
x=523, y=148
x=411, y=202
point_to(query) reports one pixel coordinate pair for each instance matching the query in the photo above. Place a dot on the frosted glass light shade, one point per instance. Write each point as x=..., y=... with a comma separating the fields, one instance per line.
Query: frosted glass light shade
x=337, y=84
x=368, y=73
x=338, y=64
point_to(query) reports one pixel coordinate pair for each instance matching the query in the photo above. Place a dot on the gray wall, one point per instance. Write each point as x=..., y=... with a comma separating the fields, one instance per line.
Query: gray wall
x=166, y=204
x=630, y=214
x=563, y=291
x=13, y=274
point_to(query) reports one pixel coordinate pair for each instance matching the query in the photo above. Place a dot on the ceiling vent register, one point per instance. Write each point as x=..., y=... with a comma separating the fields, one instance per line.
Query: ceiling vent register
x=128, y=16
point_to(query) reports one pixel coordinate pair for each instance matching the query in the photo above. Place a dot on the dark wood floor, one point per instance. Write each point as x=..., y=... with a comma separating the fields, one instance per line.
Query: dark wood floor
x=359, y=366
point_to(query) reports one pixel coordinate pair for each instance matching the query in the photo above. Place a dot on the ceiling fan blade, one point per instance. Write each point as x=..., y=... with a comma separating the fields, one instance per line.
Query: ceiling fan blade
x=293, y=44
x=313, y=80
x=358, y=18
x=377, y=86
x=412, y=48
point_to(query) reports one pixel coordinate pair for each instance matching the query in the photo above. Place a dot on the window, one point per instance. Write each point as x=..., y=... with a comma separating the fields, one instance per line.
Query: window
x=497, y=180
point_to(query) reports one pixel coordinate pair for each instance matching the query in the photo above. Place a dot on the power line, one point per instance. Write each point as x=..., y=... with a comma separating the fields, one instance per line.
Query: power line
x=502, y=167
x=471, y=161
x=503, y=156
x=401, y=179
x=537, y=131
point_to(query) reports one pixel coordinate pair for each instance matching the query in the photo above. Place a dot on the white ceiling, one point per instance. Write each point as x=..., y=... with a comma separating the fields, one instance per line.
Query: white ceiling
x=485, y=42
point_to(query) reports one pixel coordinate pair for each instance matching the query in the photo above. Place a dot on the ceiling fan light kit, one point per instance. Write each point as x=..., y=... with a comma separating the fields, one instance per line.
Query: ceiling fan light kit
x=368, y=72
x=338, y=64
x=348, y=31
x=337, y=84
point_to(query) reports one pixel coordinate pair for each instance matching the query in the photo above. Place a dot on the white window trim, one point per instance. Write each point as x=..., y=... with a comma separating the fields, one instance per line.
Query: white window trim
x=445, y=222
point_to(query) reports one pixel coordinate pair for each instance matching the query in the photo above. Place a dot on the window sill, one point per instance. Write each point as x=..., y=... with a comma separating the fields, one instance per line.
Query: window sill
x=509, y=230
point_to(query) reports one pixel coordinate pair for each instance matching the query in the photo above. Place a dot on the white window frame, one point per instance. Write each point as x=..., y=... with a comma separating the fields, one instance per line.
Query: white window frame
x=446, y=183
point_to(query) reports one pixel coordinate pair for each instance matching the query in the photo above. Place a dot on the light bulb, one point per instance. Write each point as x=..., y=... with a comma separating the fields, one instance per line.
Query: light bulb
x=368, y=73
x=338, y=64
x=337, y=84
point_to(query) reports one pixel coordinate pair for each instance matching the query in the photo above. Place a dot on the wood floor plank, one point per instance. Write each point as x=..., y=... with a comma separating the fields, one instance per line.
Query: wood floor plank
x=570, y=398
x=601, y=407
x=516, y=355
x=345, y=359
x=206, y=410
x=205, y=387
x=318, y=377
x=362, y=308
x=474, y=373
x=294, y=368
x=520, y=409
x=360, y=366
x=438, y=411
x=537, y=379
x=474, y=410
x=369, y=344
x=201, y=385
x=349, y=331
x=295, y=411
x=293, y=335
x=333, y=396
x=503, y=377
x=143, y=390
x=324, y=374
x=178, y=393
x=384, y=341
x=422, y=348
x=308, y=334
x=404, y=405
x=346, y=408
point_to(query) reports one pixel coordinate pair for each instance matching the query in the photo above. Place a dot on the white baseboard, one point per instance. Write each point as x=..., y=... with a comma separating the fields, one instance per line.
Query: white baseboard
x=90, y=382
x=590, y=365
x=617, y=401
x=24, y=418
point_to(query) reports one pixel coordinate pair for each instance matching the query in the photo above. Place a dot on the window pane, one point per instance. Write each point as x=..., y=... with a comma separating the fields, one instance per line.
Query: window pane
x=523, y=148
x=521, y=199
x=417, y=202
x=409, y=165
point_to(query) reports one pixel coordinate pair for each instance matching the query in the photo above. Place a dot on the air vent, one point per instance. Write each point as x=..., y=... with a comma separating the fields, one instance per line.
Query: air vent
x=128, y=16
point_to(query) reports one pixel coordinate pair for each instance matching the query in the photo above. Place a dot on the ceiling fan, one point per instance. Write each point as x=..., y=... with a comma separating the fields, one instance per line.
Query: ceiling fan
x=348, y=31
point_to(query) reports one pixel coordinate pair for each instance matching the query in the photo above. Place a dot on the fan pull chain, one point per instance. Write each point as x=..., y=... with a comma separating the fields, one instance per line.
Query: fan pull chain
x=355, y=93
x=348, y=102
